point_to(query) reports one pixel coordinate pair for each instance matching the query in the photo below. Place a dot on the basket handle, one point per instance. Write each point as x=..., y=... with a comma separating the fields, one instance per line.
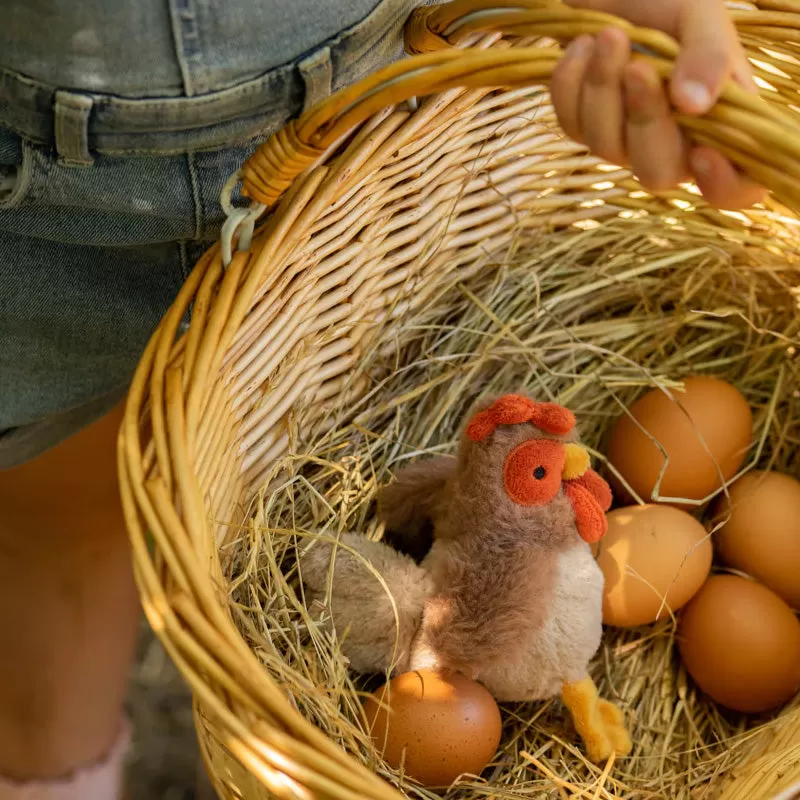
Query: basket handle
x=433, y=33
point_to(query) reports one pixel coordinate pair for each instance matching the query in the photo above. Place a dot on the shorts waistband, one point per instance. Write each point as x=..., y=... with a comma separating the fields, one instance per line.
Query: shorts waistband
x=80, y=124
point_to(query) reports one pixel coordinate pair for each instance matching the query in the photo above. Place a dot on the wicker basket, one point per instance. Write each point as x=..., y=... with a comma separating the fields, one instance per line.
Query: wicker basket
x=366, y=189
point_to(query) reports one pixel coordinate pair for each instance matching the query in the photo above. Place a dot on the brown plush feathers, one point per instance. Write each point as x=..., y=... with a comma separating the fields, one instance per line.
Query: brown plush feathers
x=503, y=530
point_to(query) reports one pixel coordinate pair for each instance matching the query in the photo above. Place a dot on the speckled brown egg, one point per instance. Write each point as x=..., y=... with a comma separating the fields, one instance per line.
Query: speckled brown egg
x=741, y=644
x=705, y=432
x=653, y=558
x=436, y=726
x=761, y=531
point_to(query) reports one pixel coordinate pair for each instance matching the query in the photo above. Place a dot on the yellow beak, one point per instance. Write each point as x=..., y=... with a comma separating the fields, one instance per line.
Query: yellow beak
x=576, y=463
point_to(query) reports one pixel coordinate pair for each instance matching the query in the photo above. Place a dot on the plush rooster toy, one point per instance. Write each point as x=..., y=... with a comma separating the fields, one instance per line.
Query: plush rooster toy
x=509, y=592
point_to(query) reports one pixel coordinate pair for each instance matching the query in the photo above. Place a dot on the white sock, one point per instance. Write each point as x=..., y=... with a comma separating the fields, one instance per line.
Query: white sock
x=99, y=781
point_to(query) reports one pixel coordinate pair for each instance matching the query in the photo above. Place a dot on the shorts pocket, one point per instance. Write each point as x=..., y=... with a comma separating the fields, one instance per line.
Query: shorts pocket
x=115, y=201
x=16, y=168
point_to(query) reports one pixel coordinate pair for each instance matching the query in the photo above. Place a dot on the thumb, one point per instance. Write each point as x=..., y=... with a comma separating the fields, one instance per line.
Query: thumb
x=708, y=42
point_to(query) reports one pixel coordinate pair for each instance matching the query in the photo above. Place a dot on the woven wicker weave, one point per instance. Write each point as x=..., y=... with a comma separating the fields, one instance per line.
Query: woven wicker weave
x=365, y=191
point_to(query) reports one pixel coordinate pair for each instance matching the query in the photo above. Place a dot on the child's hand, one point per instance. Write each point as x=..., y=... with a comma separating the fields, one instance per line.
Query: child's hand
x=620, y=110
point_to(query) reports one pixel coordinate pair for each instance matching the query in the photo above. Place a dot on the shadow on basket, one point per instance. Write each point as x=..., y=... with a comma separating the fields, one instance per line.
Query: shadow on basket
x=370, y=456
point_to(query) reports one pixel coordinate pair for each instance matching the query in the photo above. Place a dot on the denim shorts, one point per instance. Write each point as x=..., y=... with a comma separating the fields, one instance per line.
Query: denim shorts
x=116, y=138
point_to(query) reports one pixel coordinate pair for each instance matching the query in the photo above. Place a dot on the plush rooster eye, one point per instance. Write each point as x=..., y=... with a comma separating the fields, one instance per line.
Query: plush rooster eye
x=532, y=472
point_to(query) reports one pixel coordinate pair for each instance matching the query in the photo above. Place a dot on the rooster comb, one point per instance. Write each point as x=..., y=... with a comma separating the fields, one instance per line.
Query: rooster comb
x=514, y=409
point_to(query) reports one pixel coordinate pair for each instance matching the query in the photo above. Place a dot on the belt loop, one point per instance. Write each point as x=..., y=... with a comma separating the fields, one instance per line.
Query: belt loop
x=317, y=74
x=71, y=119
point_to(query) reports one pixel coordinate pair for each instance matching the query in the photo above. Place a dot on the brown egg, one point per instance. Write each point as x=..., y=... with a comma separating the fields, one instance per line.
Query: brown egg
x=741, y=644
x=762, y=535
x=438, y=727
x=714, y=437
x=653, y=559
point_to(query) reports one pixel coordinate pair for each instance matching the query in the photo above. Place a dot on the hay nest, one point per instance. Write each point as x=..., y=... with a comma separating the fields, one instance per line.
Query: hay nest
x=589, y=317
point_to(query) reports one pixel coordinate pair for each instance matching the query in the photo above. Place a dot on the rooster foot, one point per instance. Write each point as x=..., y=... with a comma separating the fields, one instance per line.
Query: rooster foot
x=599, y=722
x=615, y=726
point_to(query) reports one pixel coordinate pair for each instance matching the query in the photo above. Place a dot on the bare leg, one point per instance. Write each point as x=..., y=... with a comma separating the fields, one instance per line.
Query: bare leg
x=599, y=722
x=68, y=608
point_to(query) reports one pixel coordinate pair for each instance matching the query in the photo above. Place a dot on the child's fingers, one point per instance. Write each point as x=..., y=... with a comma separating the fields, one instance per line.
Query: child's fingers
x=566, y=83
x=601, y=115
x=655, y=144
x=711, y=52
x=742, y=71
x=708, y=46
x=719, y=181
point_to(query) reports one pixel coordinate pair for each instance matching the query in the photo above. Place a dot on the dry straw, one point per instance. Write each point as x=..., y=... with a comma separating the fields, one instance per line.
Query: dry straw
x=586, y=318
x=437, y=249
